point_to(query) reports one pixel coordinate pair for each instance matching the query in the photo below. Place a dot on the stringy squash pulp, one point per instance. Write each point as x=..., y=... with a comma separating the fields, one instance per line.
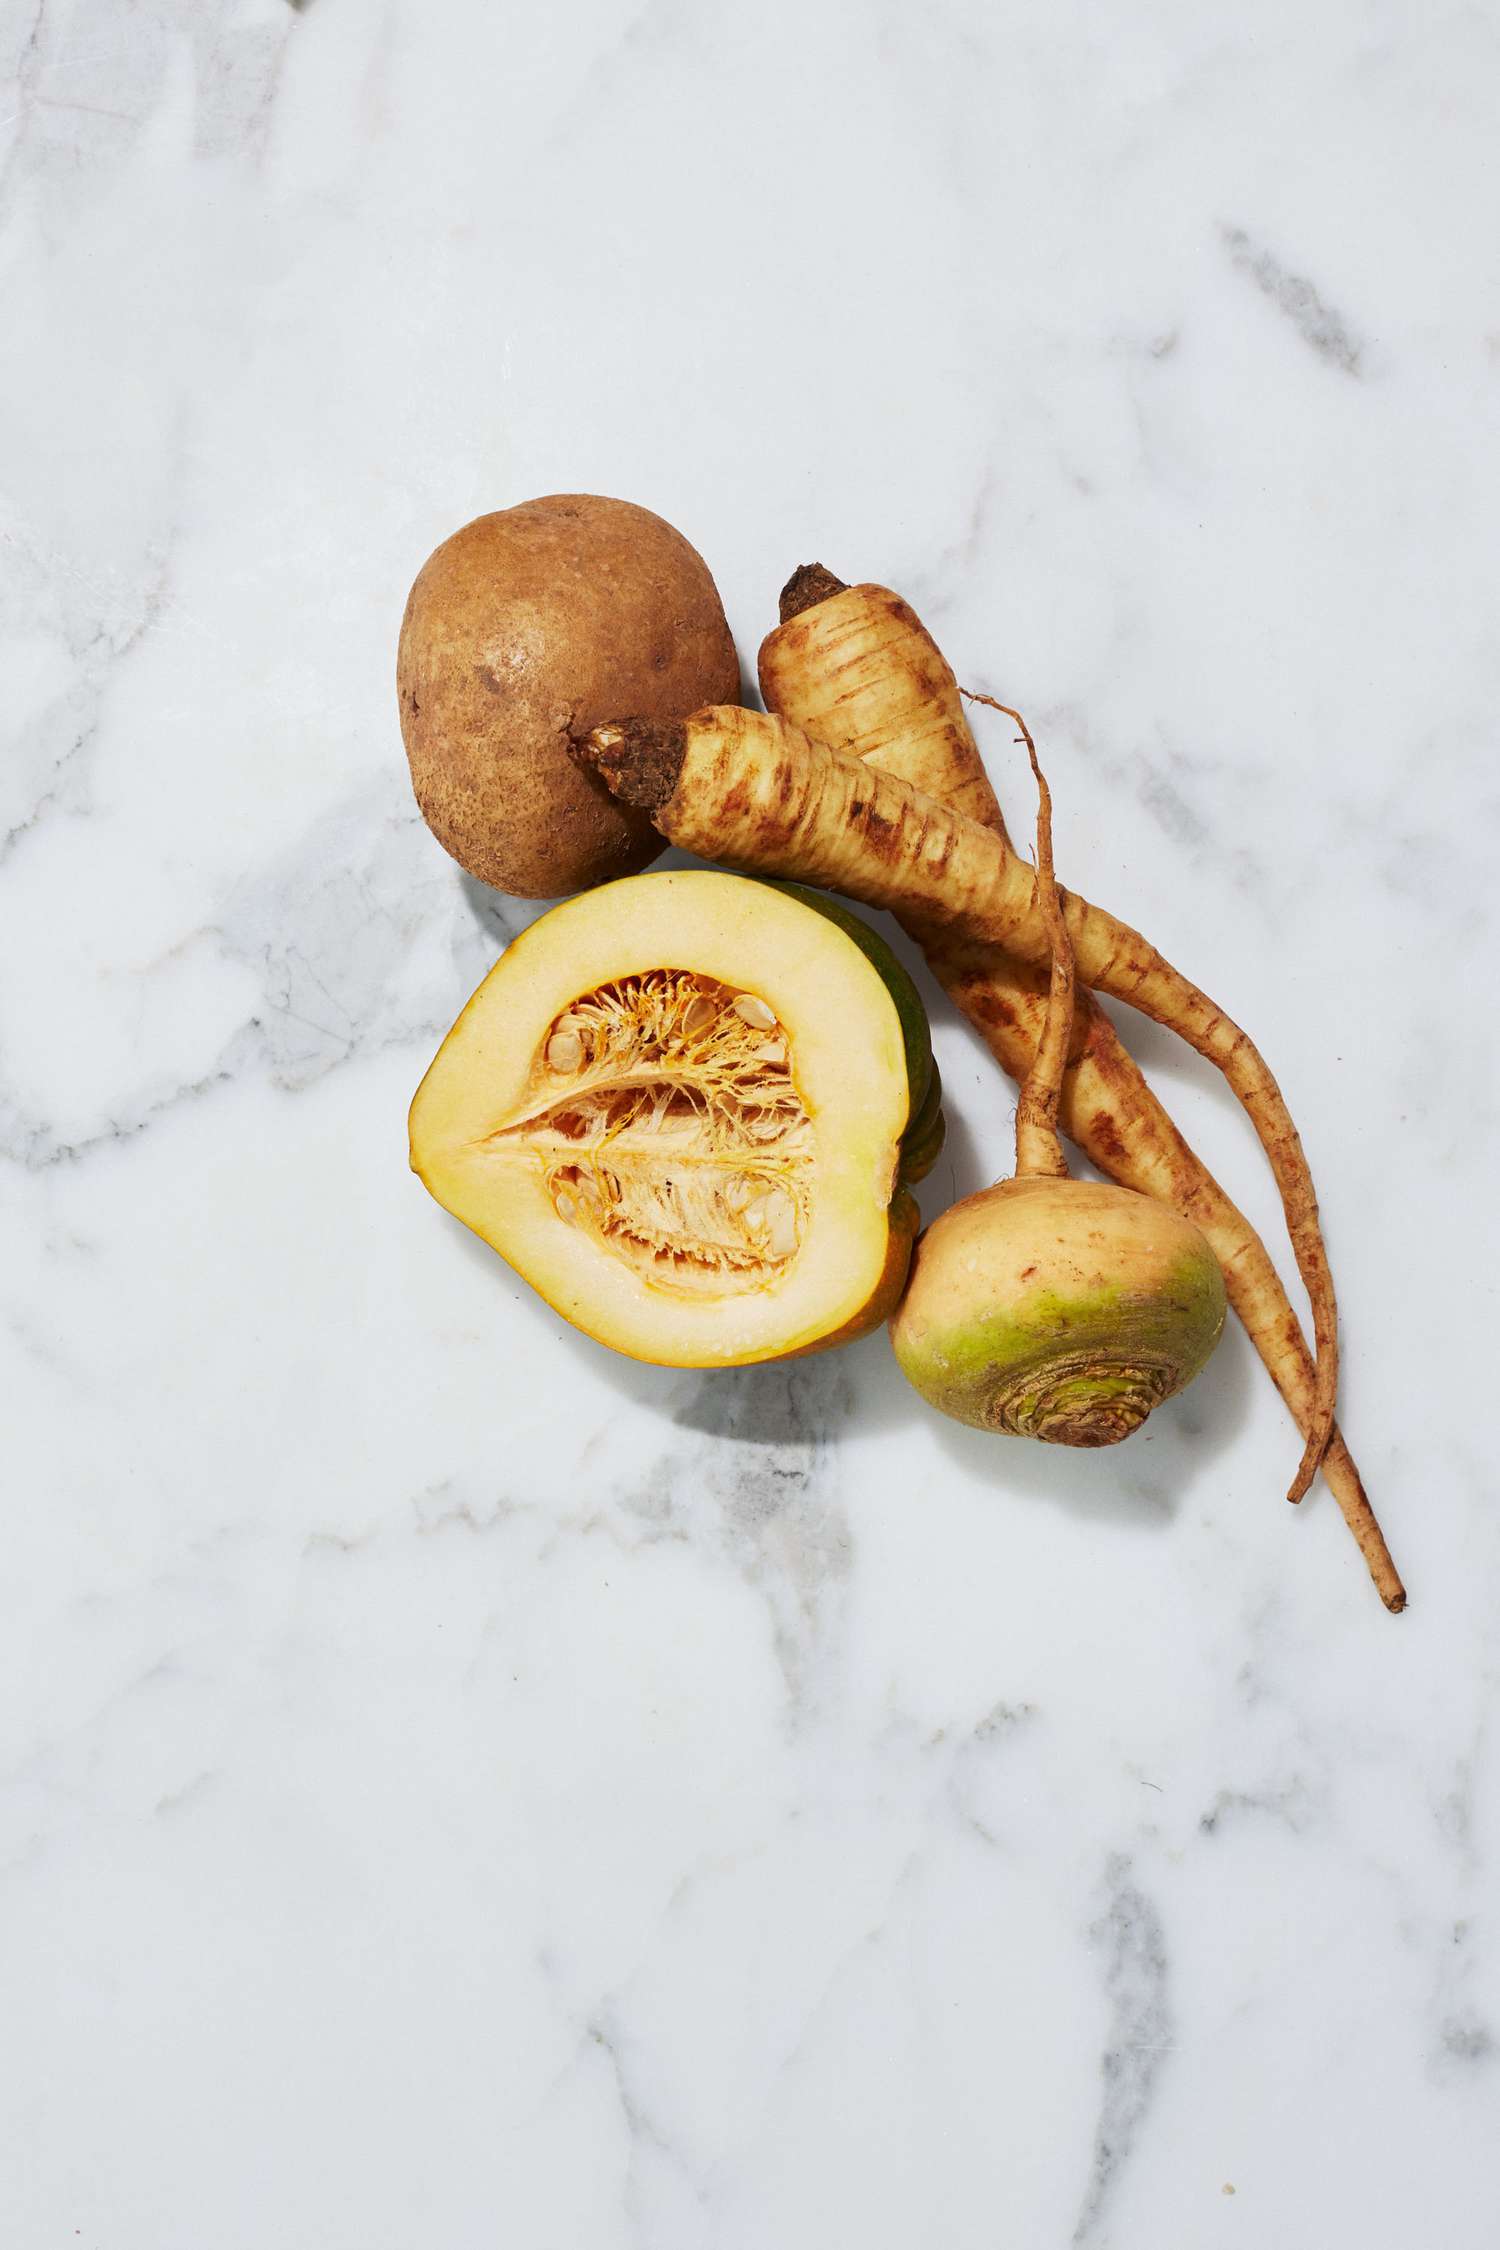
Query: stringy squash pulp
x=676, y=1107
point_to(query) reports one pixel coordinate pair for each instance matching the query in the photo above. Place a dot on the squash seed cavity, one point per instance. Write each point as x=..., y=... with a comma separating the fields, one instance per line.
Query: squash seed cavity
x=664, y=1117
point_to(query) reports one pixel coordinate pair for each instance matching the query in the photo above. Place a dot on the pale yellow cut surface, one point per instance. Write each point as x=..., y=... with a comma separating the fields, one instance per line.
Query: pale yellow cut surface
x=697, y=1201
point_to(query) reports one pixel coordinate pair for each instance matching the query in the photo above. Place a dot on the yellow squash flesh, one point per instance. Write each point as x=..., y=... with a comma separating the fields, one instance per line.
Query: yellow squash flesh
x=489, y=1123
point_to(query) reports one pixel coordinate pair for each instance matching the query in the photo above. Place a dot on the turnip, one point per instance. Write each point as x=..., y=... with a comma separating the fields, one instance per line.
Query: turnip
x=1048, y=1307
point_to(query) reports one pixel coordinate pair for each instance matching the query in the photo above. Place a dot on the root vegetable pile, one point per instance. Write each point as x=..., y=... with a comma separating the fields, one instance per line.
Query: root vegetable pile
x=690, y=1117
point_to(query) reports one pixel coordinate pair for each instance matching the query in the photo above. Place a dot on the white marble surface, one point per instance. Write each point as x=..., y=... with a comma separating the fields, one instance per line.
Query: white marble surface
x=459, y=1790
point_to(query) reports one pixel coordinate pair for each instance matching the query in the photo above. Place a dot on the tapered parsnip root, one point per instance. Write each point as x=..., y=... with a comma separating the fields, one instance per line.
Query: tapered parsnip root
x=855, y=666
x=762, y=795
x=1038, y=1149
x=1110, y=1112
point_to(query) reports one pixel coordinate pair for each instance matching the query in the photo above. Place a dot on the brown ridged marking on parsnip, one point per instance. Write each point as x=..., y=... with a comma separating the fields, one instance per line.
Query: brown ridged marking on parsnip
x=840, y=650
x=1108, y=1109
x=764, y=796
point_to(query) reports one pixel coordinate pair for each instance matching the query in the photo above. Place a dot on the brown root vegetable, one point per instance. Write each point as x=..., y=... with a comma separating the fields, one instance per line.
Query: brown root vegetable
x=528, y=624
x=1047, y=1307
x=748, y=788
x=855, y=666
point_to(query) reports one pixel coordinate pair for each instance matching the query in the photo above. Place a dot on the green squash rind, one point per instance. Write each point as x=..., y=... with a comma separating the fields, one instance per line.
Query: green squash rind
x=926, y=1124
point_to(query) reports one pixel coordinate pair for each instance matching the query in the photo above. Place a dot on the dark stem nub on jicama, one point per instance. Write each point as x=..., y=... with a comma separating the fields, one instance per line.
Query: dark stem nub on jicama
x=1049, y=1307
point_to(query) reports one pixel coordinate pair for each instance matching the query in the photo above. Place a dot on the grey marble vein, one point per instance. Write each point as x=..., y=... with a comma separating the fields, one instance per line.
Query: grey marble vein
x=1322, y=328
x=763, y=1490
x=1131, y=1945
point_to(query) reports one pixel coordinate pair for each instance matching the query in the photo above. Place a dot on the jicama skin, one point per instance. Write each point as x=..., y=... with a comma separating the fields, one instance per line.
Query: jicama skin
x=855, y=666
x=749, y=789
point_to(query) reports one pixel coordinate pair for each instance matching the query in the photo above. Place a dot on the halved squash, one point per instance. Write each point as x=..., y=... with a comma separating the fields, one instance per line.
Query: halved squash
x=676, y=1106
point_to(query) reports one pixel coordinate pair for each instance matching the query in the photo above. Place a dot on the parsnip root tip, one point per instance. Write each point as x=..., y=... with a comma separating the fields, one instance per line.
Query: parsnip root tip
x=808, y=585
x=1309, y=1465
x=639, y=760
